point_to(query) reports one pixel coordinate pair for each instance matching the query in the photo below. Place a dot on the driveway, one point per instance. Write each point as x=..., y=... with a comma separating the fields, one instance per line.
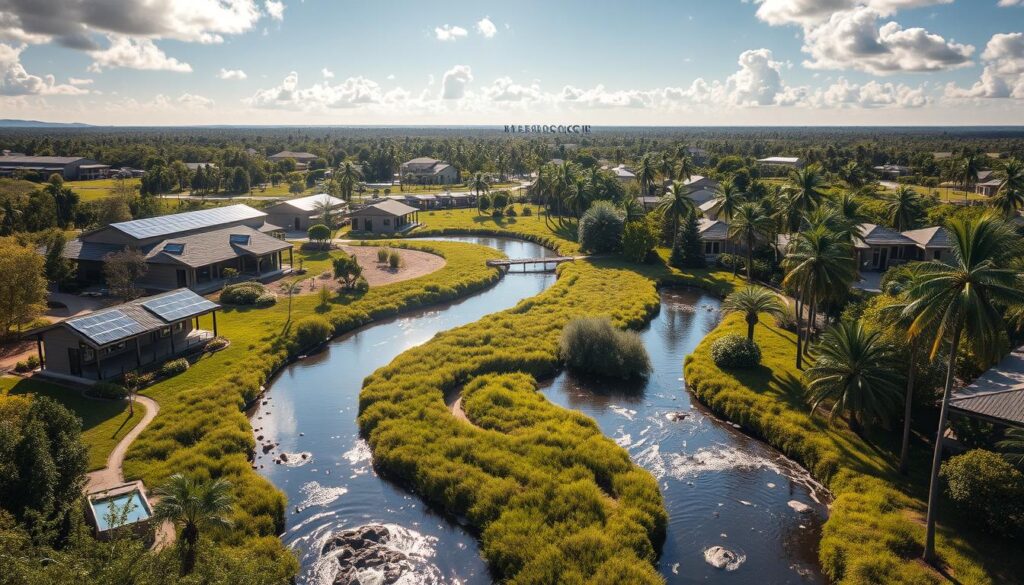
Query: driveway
x=870, y=282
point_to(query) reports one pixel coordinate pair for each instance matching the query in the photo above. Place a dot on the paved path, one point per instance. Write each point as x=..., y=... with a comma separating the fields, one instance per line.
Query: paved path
x=113, y=475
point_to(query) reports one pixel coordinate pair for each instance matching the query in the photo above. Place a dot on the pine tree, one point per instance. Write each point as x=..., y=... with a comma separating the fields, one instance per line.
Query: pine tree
x=687, y=249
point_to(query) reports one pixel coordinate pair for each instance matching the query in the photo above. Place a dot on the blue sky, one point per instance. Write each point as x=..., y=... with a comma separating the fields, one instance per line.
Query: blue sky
x=726, y=62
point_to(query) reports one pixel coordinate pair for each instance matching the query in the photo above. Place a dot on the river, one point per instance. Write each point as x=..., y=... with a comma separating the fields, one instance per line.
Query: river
x=720, y=487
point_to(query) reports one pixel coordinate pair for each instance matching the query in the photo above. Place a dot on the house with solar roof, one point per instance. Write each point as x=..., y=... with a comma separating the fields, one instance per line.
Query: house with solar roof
x=139, y=334
x=191, y=249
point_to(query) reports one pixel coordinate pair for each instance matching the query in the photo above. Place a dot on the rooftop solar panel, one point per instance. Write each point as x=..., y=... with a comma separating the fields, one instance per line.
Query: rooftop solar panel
x=178, y=305
x=190, y=220
x=107, y=326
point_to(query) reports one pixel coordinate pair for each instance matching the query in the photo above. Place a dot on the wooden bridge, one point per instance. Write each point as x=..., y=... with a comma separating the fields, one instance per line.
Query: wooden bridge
x=531, y=264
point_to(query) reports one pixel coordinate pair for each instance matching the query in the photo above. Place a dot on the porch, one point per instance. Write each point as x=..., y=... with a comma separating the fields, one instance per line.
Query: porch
x=134, y=355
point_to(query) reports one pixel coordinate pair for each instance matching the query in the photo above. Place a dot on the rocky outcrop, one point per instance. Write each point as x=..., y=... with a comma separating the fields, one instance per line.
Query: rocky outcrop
x=363, y=556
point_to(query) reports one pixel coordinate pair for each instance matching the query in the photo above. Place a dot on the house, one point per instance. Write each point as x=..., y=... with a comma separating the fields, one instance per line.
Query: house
x=385, y=217
x=793, y=162
x=892, y=171
x=429, y=171
x=191, y=249
x=301, y=213
x=997, y=396
x=715, y=235
x=697, y=155
x=200, y=165
x=709, y=209
x=880, y=247
x=623, y=173
x=932, y=243
x=989, y=186
x=701, y=189
x=105, y=344
x=302, y=159
x=69, y=167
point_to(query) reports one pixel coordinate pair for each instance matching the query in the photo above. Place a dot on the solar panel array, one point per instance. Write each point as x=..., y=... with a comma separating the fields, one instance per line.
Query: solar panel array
x=107, y=326
x=178, y=305
x=191, y=220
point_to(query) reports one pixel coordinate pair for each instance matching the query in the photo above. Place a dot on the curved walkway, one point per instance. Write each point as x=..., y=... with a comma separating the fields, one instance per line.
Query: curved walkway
x=112, y=475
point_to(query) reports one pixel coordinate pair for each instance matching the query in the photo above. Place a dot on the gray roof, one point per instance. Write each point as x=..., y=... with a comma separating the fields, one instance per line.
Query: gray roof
x=78, y=250
x=711, y=229
x=206, y=248
x=292, y=154
x=930, y=237
x=41, y=160
x=998, y=393
x=388, y=207
x=876, y=235
x=165, y=225
x=308, y=203
x=139, y=316
x=779, y=160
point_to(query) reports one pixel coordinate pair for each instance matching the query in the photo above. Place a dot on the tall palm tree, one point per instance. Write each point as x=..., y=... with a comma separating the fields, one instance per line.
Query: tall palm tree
x=195, y=505
x=806, y=187
x=326, y=209
x=479, y=184
x=819, y=264
x=849, y=208
x=685, y=168
x=857, y=370
x=752, y=302
x=965, y=171
x=728, y=199
x=348, y=176
x=1012, y=447
x=852, y=174
x=675, y=204
x=1010, y=197
x=959, y=298
x=646, y=175
x=667, y=166
x=904, y=208
x=748, y=223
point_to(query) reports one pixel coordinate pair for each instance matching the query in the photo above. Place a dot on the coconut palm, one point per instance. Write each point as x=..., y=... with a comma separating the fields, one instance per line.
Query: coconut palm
x=1012, y=447
x=685, y=168
x=962, y=298
x=1010, y=197
x=348, y=176
x=326, y=209
x=904, y=208
x=965, y=171
x=646, y=175
x=752, y=302
x=858, y=371
x=806, y=187
x=819, y=264
x=675, y=204
x=479, y=184
x=667, y=166
x=852, y=174
x=749, y=222
x=849, y=208
x=195, y=505
x=727, y=199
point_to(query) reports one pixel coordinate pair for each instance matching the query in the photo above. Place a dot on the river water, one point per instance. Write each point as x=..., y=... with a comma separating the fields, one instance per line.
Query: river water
x=721, y=488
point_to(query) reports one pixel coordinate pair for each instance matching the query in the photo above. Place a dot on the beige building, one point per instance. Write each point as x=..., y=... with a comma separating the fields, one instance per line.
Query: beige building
x=428, y=171
x=385, y=217
x=301, y=213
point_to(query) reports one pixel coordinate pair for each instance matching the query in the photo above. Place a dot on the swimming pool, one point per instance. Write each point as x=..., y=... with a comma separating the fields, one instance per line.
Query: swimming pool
x=112, y=508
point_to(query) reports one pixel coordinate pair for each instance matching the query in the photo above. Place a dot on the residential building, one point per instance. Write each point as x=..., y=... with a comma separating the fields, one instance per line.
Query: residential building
x=302, y=159
x=298, y=214
x=932, y=243
x=428, y=171
x=190, y=249
x=200, y=165
x=701, y=189
x=997, y=396
x=384, y=217
x=793, y=162
x=105, y=344
x=715, y=235
x=69, y=167
x=623, y=173
x=892, y=171
x=880, y=247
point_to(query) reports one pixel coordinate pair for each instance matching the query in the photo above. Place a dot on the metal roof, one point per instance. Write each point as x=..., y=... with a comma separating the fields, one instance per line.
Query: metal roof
x=42, y=160
x=205, y=248
x=185, y=222
x=310, y=202
x=998, y=394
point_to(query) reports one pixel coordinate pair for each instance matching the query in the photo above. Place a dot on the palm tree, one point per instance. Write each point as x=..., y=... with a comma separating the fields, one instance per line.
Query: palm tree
x=326, y=209
x=857, y=370
x=963, y=297
x=479, y=184
x=752, y=302
x=685, y=169
x=852, y=174
x=806, y=187
x=1010, y=197
x=748, y=223
x=667, y=166
x=348, y=176
x=849, y=208
x=965, y=170
x=819, y=264
x=728, y=198
x=1012, y=447
x=646, y=175
x=904, y=208
x=675, y=204
x=195, y=505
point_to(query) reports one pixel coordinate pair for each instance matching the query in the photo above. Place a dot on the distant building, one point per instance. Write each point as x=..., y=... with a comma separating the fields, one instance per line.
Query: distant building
x=69, y=167
x=200, y=165
x=105, y=344
x=299, y=214
x=701, y=189
x=429, y=171
x=892, y=171
x=623, y=173
x=793, y=162
x=302, y=159
x=190, y=249
x=385, y=217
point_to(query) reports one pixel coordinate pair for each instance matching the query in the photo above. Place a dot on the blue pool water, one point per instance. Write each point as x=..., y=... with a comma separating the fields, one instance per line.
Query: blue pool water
x=137, y=510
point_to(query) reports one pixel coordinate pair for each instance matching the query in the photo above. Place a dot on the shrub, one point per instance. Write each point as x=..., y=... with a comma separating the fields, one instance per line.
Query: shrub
x=600, y=228
x=229, y=273
x=219, y=342
x=312, y=331
x=383, y=254
x=266, y=299
x=735, y=351
x=361, y=285
x=109, y=390
x=21, y=367
x=394, y=260
x=32, y=362
x=527, y=212
x=986, y=489
x=243, y=293
x=324, y=294
x=638, y=239
x=174, y=367
x=687, y=247
x=319, y=234
x=592, y=345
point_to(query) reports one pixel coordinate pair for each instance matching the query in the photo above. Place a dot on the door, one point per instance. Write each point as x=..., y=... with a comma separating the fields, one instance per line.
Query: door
x=298, y=225
x=182, y=279
x=75, y=361
x=883, y=258
x=367, y=225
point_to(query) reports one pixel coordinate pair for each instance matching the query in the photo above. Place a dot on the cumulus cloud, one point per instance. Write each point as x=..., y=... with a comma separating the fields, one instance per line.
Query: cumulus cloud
x=16, y=81
x=78, y=81
x=1003, y=76
x=350, y=93
x=853, y=40
x=453, y=84
x=236, y=74
x=872, y=94
x=449, y=33
x=132, y=53
x=486, y=28
x=758, y=81
x=505, y=90
x=1008, y=3
x=275, y=9
x=810, y=12
x=194, y=101
x=327, y=73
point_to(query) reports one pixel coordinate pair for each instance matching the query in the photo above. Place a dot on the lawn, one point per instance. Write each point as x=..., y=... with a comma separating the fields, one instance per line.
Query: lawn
x=534, y=227
x=98, y=188
x=17, y=187
x=946, y=195
x=104, y=422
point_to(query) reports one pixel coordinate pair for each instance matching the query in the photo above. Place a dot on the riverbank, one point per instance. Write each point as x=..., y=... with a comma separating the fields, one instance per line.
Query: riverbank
x=202, y=429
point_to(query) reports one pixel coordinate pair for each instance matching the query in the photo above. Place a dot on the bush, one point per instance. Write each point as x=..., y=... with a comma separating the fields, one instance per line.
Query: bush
x=394, y=260
x=361, y=285
x=32, y=362
x=735, y=351
x=266, y=299
x=243, y=293
x=600, y=228
x=229, y=273
x=312, y=331
x=527, y=212
x=109, y=390
x=986, y=489
x=219, y=342
x=174, y=367
x=383, y=254
x=638, y=239
x=592, y=345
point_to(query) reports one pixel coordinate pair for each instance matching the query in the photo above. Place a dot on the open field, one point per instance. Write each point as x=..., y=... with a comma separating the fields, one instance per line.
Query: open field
x=99, y=188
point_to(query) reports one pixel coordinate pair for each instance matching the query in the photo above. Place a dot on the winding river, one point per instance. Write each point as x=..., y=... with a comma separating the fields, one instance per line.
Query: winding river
x=721, y=488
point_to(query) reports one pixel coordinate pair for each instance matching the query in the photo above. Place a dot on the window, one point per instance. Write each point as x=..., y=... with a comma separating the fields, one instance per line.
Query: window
x=355, y=224
x=387, y=221
x=175, y=249
x=711, y=248
x=937, y=255
x=165, y=331
x=179, y=327
x=240, y=239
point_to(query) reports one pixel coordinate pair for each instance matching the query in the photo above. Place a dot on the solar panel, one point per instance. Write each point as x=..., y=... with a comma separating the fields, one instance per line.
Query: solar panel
x=178, y=305
x=107, y=326
x=190, y=220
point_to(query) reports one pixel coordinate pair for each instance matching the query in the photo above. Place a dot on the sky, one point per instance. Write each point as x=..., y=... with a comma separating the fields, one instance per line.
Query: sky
x=392, y=62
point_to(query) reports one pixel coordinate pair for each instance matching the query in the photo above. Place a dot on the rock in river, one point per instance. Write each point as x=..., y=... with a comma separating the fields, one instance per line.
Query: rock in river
x=799, y=506
x=720, y=557
x=364, y=551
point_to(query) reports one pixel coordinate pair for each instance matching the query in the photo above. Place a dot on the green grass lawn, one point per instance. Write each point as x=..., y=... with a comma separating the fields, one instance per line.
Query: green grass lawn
x=104, y=422
x=946, y=195
x=98, y=188
x=17, y=187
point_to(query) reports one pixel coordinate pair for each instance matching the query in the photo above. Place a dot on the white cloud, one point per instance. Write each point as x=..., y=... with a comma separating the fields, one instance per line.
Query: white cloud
x=505, y=90
x=872, y=94
x=486, y=28
x=810, y=12
x=275, y=9
x=134, y=53
x=327, y=73
x=853, y=40
x=78, y=81
x=758, y=81
x=449, y=33
x=16, y=81
x=1003, y=76
x=236, y=74
x=352, y=92
x=453, y=84
x=1008, y=3
x=195, y=101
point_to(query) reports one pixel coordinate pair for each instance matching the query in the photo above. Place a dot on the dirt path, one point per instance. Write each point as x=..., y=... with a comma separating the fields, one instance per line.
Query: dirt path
x=113, y=475
x=415, y=263
x=457, y=411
